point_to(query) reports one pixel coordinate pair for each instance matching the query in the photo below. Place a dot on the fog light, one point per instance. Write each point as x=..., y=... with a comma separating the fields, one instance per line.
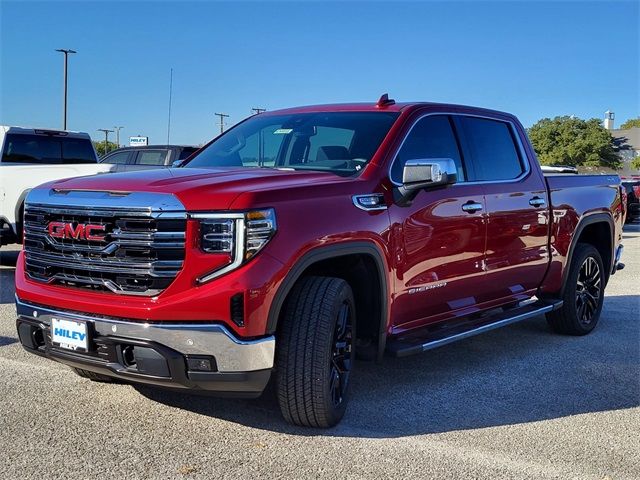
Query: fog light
x=199, y=364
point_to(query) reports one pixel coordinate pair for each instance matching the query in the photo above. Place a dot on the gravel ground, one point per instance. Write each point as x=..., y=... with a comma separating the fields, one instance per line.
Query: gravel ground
x=518, y=402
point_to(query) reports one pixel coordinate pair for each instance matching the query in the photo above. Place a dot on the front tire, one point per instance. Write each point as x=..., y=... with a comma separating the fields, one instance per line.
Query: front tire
x=583, y=293
x=315, y=353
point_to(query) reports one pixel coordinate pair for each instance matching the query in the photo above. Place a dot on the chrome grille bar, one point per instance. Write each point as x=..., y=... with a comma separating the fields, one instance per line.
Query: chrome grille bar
x=141, y=253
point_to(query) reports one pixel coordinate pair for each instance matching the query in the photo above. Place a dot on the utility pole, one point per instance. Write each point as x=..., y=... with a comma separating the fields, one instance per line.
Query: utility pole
x=117, y=129
x=106, y=138
x=222, y=117
x=257, y=111
x=64, y=109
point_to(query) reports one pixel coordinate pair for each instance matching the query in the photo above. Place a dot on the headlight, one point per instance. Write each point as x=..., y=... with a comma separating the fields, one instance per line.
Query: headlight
x=260, y=226
x=239, y=235
x=217, y=235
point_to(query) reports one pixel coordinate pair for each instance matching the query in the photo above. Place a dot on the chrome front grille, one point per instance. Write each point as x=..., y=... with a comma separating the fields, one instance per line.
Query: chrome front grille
x=141, y=252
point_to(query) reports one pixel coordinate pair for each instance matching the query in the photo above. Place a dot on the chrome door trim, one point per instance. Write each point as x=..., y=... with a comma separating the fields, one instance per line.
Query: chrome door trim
x=524, y=157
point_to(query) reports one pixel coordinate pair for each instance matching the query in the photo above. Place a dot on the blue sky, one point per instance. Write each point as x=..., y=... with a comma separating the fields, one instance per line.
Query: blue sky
x=534, y=59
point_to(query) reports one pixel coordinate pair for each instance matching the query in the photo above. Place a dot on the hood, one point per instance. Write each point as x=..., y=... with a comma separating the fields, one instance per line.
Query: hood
x=219, y=186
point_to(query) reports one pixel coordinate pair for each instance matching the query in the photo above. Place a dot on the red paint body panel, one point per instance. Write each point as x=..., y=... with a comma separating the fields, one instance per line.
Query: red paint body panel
x=439, y=262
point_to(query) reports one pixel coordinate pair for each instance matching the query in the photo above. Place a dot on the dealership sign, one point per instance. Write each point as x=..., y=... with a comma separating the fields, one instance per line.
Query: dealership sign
x=138, y=141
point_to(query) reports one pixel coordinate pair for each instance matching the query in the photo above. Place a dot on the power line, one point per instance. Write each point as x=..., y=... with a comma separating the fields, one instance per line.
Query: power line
x=222, y=117
x=106, y=138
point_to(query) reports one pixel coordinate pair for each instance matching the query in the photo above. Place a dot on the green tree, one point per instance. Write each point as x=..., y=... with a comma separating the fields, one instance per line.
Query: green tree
x=635, y=163
x=574, y=142
x=100, y=150
x=632, y=122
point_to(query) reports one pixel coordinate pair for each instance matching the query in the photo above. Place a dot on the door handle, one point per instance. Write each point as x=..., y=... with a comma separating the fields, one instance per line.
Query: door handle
x=537, y=202
x=472, y=207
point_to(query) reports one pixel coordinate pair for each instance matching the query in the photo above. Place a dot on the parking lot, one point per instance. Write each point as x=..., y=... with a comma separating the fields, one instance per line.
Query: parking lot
x=519, y=402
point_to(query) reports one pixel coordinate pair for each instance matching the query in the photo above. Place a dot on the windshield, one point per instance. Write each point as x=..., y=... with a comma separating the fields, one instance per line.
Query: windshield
x=337, y=142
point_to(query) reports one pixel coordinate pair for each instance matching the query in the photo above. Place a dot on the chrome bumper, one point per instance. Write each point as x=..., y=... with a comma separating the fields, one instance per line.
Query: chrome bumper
x=231, y=354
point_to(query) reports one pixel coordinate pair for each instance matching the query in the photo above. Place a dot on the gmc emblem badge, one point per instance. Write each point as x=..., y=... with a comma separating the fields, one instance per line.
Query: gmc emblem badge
x=81, y=231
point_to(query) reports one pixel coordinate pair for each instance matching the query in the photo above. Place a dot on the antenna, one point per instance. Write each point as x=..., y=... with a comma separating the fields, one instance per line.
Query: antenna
x=385, y=101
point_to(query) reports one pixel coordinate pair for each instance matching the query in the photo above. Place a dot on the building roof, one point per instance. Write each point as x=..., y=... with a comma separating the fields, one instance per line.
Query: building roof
x=628, y=139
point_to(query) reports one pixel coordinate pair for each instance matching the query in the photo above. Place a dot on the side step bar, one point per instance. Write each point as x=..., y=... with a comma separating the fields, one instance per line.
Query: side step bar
x=439, y=335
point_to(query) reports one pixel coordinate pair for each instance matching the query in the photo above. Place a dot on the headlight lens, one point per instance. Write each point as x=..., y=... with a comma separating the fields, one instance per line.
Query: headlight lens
x=221, y=233
x=217, y=235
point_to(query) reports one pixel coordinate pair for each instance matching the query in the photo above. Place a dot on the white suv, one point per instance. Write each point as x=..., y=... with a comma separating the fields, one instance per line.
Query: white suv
x=32, y=156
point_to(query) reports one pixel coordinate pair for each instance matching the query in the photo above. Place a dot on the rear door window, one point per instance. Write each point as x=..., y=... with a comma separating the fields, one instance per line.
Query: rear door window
x=492, y=147
x=119, y=158
x=151, y=157
x=47, y=149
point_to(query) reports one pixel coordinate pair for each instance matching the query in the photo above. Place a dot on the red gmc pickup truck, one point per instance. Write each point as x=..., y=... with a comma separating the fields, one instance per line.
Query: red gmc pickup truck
x=301, y=237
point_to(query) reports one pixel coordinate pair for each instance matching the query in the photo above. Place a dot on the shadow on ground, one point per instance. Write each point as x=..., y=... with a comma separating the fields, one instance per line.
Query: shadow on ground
x=522, y=373
x=7, y=262
x=7, y=341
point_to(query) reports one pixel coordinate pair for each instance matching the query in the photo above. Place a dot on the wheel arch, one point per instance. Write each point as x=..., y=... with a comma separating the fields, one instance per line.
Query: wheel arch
x=19, y=209
x=347, y=261
x=598, y=230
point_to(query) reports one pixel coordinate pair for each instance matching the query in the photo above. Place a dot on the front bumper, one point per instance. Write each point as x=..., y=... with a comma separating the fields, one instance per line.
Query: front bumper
x=161, y=354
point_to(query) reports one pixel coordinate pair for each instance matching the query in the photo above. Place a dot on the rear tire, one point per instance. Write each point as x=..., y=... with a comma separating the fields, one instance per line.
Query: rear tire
x=315, y=353
x=583, y=293
x=93, y=376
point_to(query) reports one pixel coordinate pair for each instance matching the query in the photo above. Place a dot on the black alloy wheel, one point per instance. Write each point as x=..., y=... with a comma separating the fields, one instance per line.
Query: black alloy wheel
x=341, y=358
x=588, y=290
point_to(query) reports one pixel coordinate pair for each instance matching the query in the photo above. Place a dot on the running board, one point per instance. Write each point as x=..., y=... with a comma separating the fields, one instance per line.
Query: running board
x=438, y=335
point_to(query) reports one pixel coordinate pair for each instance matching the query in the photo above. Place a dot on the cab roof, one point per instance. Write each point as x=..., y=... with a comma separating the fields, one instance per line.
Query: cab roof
x=389, y=107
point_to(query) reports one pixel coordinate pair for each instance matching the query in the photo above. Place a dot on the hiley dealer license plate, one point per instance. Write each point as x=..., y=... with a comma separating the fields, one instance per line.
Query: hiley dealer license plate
x=69, y=334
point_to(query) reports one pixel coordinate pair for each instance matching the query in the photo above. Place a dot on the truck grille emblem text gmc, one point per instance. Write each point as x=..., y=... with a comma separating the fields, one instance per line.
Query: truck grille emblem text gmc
x=80, y=231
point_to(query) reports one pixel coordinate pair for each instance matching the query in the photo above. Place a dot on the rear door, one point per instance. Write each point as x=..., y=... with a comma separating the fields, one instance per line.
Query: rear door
x=438, y=240
x=515, y=200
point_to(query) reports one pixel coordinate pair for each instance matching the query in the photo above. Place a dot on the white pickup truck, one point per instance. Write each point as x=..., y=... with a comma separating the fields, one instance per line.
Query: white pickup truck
x=34, y=156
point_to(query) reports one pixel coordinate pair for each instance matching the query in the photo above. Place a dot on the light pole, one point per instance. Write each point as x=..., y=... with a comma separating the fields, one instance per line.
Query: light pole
x=117, y=129
x=66, y=56
x=106, y=138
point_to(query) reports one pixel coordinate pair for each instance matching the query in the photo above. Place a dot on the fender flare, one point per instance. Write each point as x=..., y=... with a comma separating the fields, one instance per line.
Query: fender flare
x=323, y=253
x=582, y=224
x=19, y=205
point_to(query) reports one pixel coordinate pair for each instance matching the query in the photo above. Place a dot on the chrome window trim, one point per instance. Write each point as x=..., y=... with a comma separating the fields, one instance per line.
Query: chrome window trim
x=514, y=132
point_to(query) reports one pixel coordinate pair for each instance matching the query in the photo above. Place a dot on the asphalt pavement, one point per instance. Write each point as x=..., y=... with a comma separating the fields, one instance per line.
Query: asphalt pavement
x=515, y=403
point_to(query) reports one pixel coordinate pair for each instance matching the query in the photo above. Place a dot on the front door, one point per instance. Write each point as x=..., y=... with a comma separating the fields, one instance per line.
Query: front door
x=439, y=241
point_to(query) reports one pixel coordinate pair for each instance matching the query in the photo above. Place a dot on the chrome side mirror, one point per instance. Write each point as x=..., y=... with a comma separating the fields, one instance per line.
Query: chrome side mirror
x=428, y=172
x=177, y=163
x=424, y=173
